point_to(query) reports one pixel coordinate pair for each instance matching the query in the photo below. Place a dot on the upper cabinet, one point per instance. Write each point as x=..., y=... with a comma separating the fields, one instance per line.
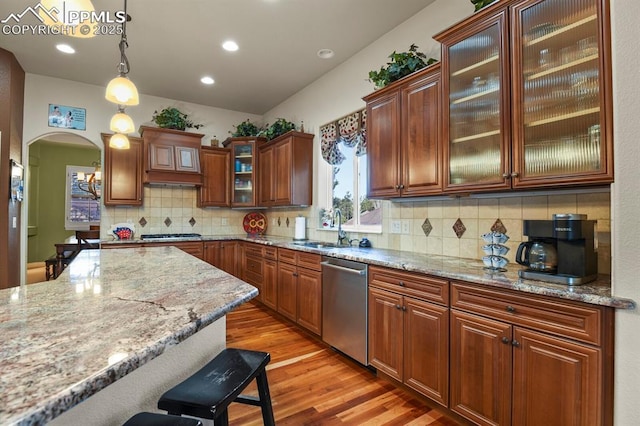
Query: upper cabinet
x=171, y=156
x=243, y=169
x=527, y=96
x=216, y=176
x=286, y=170
x=122, y=174
x=404, y=137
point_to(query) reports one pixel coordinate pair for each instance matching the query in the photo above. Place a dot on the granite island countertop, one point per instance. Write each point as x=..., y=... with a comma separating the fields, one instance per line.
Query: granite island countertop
x=470, y=270
x=109, y=312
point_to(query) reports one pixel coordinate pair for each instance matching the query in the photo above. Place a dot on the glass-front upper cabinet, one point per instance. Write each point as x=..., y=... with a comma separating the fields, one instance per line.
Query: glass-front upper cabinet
x=561, y=112
x=243, y=158
x=475, y=75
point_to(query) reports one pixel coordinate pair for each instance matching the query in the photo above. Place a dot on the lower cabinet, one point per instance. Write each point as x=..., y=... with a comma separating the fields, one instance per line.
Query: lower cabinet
x=299, y=289
x=222, y=255
x=529, y=360
x=259, y=267
x=408, y=334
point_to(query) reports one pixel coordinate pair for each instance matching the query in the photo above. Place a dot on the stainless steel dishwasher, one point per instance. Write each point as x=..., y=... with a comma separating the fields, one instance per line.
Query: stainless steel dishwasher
x=344, y=307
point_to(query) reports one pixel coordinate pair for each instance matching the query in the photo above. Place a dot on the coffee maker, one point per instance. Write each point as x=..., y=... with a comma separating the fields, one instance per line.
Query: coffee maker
x=567, y=239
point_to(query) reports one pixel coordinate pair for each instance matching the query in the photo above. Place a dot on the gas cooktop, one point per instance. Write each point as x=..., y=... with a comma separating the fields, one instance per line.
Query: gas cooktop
x=165, y=237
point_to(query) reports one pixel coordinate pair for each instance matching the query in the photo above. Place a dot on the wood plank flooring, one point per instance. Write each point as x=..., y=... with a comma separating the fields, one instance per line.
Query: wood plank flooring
x=311, y=384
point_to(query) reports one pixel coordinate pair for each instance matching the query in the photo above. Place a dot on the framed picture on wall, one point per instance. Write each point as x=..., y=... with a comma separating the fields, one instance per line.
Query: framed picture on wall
x=67, y=117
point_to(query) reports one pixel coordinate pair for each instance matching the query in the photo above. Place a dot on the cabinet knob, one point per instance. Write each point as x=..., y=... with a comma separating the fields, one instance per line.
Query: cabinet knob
x=511, y=309
x=401, y=283
x=515, y=343
x=404, y=308
x=506, y=175
x=506, y=340
x=515, y=174
x=401, y=186
x=295, y=274
x=398, y=307
x=397, y=187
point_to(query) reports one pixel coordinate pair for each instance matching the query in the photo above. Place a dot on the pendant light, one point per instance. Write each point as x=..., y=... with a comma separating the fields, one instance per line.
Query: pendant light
x=119, y=141
x=121, y=90
x=65, y=10
x=121, y=122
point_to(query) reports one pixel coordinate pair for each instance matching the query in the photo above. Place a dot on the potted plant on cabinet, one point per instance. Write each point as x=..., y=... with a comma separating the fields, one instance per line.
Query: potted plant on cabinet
x=401, y=65
x=173, y=118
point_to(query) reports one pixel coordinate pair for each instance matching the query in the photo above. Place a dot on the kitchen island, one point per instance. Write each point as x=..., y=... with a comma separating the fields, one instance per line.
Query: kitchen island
x=115, y=330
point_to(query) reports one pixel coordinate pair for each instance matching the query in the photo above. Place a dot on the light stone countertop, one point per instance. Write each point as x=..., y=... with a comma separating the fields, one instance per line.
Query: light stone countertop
x=119, y=307
x=453, y=268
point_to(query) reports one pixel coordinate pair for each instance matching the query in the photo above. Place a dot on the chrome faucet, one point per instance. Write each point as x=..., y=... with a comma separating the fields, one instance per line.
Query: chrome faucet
x=341, y=234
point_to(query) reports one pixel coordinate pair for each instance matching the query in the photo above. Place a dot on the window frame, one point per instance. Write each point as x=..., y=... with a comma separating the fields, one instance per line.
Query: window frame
x=74, y=225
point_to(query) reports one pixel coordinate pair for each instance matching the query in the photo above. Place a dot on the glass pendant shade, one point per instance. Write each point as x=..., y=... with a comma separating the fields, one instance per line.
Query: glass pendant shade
x=77, y=27
x=122, y=91
x=119, y=141
x=121, y=123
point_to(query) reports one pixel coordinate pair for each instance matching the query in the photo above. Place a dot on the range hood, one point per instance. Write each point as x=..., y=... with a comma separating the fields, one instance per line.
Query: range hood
x=171, y=156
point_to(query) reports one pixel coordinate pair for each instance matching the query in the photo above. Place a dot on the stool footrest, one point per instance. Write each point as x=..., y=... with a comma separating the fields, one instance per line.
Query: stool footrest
x=249, y=400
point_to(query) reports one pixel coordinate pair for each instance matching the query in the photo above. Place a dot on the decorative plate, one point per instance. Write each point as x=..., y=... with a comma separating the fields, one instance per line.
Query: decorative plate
x=123, y=231
x=254, y=223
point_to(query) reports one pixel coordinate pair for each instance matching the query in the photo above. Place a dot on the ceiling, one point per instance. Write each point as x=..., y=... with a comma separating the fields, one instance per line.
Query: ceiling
x=172, y=44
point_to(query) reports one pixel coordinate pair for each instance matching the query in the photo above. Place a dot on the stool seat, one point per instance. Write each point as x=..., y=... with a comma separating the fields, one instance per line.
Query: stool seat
x=155, y=419
x=209, y=391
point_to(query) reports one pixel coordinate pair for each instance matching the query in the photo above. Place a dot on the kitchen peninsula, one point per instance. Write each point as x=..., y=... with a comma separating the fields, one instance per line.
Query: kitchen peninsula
x=137, y=319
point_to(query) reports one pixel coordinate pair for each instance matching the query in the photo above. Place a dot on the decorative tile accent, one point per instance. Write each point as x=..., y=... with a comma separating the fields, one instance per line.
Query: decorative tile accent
x=287, y=222
x=459, y=228
x=167, y=222
x=279, y=222
x=143, y=222
x=427, y=227
x=498, y=226
x=192, y=222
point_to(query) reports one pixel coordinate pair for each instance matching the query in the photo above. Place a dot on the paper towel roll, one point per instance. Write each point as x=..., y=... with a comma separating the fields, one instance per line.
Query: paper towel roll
x=300, y=231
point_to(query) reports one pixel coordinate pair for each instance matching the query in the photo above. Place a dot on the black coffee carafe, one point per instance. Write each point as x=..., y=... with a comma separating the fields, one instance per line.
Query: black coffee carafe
x=538, y=255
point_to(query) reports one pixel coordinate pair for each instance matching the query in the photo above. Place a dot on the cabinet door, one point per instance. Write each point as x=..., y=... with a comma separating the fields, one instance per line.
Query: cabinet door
x=270, y=284
x=187, y=159
x=421, y=137
x=287, y=291
x=122, y=182
x=244, y=182
x=212, y=253
x=281, y=174
x=562, y=107
x=480, y=369
x=426, y=349
x=310, y=300
x=216, y=173
x=555, y=381
x=161, y=157
x=383, y=146
x=228, y=256
x=386, y=332
x=265, y=181
x=476, y=108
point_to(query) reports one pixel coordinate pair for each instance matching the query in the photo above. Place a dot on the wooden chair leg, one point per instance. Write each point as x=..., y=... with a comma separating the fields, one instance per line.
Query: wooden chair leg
x=265, y=399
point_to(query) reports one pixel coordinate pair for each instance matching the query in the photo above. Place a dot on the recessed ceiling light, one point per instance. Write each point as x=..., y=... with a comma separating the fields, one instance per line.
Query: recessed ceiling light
x=230, y=46
x=325, y=53
x=65, y=48
x=207, y=80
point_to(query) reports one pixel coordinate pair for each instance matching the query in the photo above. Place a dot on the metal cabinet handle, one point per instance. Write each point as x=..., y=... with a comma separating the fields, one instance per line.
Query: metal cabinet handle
x=515, y=174
x=506, y=340
x=398, y=307
x=515, y=343
x=401, y=186
x=511, y=309
x=404, y=308
x=401, y=283
x=506, y=175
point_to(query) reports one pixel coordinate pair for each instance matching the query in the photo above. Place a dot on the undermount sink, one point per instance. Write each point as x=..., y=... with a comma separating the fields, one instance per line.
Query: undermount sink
x=318, y=244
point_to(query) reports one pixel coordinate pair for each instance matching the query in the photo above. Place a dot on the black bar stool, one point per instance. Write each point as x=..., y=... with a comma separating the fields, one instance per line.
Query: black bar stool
x=208, y=392
x=155, y=419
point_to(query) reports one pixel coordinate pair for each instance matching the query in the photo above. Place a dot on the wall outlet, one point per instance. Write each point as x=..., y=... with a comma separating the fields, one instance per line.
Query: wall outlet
x=406, y=227
x=15, y=222
x=224, y=221
x=396, y=228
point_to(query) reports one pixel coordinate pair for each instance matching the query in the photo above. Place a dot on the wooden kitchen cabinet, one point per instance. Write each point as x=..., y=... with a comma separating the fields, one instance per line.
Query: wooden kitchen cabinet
x=122, y=174
x=222, y=255
x=408, y=333
x=519, y=359
x=300, y=288
x=216, y=177
x=404, y=137
x=286, y=170
x=243, y=164
x=171, y=156
x=259, y=268
x=527, y=96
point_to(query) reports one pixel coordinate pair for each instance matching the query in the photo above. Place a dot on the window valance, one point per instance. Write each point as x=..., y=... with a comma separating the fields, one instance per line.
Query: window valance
x=350, y=130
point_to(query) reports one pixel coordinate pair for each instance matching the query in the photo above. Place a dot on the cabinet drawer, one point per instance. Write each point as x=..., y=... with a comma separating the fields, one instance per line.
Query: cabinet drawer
x=253, y=266
x=287, y=256
x=564, y=318
x=194, y=249
x=309, y=260
x=410, y=284
x=253, y=250
x=270, y=253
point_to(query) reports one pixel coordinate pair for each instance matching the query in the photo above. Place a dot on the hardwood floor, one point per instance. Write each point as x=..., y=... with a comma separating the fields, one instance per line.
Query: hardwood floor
x=311, y=384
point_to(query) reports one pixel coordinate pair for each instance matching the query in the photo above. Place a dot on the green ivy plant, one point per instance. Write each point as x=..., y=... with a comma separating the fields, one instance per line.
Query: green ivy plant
x=479, y=4
x=278, y=128
x=172, y=118
x=401, y=65
x=246, y=128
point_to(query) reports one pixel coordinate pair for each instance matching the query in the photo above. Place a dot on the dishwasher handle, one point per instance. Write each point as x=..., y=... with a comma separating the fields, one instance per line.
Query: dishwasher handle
x=344, y=269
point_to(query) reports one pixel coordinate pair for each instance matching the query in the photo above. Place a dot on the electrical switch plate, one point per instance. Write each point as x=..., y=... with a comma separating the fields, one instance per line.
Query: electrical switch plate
x=406, y=227
x=396, y=228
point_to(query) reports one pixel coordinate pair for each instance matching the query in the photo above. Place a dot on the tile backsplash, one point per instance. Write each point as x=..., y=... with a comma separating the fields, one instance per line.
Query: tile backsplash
x=454, y=226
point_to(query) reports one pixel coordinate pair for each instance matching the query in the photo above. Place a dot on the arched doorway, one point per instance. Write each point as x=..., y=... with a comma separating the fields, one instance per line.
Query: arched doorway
x=45, y=188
